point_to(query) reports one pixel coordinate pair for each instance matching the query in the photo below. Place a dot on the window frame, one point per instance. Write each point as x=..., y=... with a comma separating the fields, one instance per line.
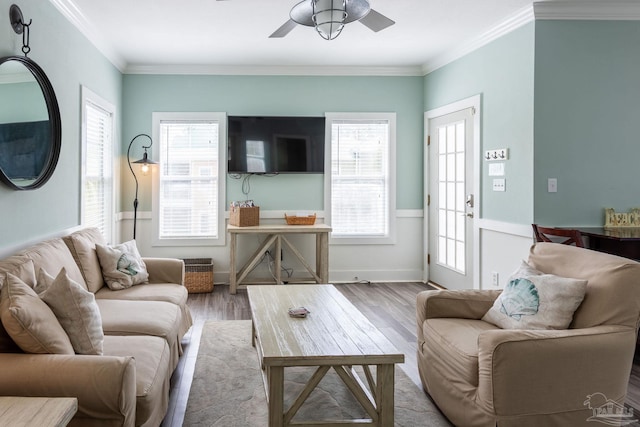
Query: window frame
x=88, y=96
x=221, y=118
x=390, y=237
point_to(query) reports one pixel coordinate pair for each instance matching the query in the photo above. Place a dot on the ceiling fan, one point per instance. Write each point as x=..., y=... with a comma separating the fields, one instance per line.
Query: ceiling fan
x=310, y=12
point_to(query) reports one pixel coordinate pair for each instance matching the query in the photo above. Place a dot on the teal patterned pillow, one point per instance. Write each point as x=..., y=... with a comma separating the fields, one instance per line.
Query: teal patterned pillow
x=534, y=300
x=122, y=266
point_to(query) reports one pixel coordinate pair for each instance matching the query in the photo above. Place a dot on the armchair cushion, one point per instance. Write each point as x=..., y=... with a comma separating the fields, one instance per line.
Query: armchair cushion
x=455, y=346
x=533, y=300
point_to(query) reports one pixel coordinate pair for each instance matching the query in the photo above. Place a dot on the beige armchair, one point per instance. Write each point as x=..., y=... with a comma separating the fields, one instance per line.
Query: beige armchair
x=481, y=375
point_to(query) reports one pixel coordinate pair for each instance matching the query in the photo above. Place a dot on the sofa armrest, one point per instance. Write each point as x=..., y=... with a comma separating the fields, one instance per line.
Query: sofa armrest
x=104, y=385
x=520, y=370
x=165, y=270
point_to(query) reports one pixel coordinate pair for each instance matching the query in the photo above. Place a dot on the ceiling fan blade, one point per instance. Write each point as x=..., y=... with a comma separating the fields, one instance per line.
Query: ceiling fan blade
x=376, y=21
x=284, y=29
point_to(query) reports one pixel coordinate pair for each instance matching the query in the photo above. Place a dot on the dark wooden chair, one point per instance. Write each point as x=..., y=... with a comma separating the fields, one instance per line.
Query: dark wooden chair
x=564, y=236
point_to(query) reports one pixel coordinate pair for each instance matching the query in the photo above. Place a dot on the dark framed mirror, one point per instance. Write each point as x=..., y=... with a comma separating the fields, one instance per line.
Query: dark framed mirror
x=30, y=125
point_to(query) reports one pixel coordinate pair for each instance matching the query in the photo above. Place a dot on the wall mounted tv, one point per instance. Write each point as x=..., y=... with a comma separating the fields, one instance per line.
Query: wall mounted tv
x=272, y=145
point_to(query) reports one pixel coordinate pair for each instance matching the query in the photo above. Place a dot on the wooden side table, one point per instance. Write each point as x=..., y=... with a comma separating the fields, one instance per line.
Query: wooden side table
x=19, y=411
x=276, y=235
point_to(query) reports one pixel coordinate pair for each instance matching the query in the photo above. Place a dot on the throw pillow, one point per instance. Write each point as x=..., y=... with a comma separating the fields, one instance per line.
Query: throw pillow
x=122, y=265
x=534, y=300
x=76, y=310
x=29, y=321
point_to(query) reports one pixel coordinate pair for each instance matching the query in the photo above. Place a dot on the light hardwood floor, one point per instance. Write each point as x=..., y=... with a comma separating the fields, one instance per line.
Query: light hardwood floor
x=389, y=306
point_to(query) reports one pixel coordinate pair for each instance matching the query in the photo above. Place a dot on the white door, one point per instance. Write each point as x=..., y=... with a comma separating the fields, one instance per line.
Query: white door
x=451, y=199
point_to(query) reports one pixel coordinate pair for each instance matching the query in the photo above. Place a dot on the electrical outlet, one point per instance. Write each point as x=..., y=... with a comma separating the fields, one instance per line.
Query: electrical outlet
x=495, y=279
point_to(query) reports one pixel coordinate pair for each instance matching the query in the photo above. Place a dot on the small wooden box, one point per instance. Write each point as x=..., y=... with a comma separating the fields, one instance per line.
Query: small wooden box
x=198, y=275
x=244, y=217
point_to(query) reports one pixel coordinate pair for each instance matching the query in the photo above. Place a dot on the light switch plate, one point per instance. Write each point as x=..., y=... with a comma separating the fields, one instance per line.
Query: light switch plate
x=552, y=185
x=499, y=184
x=496, y=169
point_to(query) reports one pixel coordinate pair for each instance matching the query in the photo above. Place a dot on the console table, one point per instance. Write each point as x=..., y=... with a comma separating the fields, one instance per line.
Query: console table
x=276, y=235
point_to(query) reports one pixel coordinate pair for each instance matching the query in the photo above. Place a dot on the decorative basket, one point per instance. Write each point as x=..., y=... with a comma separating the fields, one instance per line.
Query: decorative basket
x=244, y=217
x=198, y=275
x=300, y=220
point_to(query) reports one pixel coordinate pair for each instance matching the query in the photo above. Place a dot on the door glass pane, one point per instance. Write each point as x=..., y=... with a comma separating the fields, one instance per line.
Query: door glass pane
x=452, y=221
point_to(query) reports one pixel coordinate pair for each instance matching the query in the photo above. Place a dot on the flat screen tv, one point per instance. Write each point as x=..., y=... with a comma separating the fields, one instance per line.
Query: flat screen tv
x=272, y=145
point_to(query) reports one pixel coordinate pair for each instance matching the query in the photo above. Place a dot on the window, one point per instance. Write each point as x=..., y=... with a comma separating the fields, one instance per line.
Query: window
x=189, y=198
x=360, y=177
x=97, y=163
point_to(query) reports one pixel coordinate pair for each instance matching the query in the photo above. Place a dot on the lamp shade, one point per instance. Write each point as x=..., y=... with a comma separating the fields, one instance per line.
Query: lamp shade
x=329, y=17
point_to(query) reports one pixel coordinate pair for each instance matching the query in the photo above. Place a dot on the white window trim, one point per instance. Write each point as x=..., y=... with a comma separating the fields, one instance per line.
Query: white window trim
x=221, y=118
x=391, y=118
x=88, y=95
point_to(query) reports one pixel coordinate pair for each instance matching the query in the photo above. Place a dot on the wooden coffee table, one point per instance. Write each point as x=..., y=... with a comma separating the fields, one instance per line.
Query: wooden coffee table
x=335, y=335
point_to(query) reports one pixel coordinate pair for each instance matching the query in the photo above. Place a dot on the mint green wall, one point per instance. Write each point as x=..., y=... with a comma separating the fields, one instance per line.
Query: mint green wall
x=502, y=72
x=70, y=61
x=281, y=95
x=587, y=89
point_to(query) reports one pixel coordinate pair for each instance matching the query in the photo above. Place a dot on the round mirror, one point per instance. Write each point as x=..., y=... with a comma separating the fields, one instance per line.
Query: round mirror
x=30, y=126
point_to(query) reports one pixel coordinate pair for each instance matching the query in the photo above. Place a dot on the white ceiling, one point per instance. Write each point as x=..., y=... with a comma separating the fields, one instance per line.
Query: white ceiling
x=155, y=34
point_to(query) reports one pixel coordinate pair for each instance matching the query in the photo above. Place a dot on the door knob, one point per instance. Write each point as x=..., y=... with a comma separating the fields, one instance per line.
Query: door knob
x=469, y=214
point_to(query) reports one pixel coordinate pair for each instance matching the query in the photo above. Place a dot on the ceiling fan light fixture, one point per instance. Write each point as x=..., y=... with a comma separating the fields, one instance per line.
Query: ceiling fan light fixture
x=329, y=17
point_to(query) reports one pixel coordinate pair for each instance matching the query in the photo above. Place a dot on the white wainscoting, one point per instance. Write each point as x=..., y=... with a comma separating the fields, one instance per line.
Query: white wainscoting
x=502, y=246
x=397, y=262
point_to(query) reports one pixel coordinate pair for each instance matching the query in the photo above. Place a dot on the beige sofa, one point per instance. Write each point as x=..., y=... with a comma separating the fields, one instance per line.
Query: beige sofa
x=143, y=327
x=481, y=375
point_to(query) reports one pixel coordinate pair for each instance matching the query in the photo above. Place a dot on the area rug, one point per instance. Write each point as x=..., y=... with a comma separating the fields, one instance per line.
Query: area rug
x=227, y=388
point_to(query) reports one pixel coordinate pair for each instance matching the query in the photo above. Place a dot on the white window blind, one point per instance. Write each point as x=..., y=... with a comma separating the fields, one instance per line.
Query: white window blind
x=98, y=168
x=189, y=175
x=360, y=176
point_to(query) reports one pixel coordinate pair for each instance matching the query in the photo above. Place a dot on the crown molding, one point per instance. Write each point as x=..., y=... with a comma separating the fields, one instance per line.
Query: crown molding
x=600, y=10
x=70, y=11
x=275, y=70
x=515, y=21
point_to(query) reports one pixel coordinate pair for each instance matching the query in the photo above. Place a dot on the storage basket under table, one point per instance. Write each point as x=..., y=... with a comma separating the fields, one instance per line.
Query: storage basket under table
x=198, y=275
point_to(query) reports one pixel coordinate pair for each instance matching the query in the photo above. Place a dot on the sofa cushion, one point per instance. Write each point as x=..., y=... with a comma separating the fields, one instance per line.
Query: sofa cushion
x=153, y=373
x=122, y=265
x=167, y=292
x=611, y=297
x=22, y=268
x=52, y=255
x=29, y=321
x=455, y=346
x=533, y=300
x=82, y=245
x=76, y=310
x=154, y=318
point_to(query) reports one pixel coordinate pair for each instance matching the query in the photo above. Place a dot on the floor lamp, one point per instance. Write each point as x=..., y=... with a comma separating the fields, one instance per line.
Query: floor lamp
x=145, y=162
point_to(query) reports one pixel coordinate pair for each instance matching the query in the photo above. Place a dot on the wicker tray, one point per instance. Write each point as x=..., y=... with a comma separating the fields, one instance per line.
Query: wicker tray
x=300, y=220
x=198, y=275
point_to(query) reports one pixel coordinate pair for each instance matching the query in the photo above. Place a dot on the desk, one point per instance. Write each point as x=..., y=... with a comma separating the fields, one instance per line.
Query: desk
x=623, y=241
x=37, y=411
x=276, y=235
